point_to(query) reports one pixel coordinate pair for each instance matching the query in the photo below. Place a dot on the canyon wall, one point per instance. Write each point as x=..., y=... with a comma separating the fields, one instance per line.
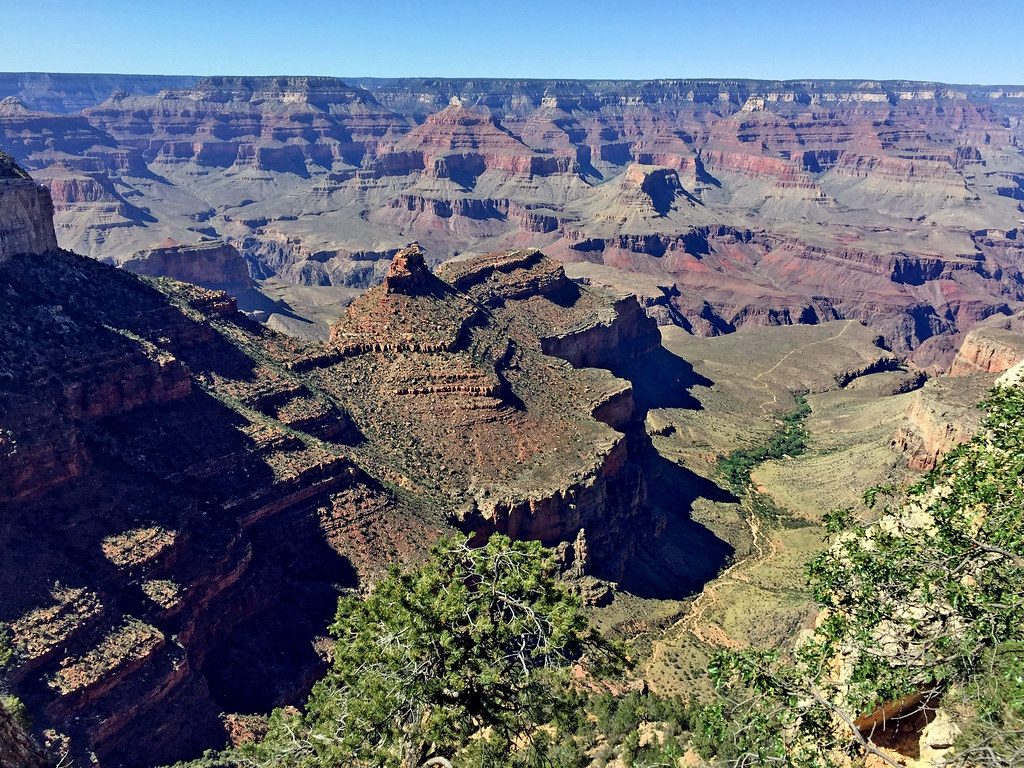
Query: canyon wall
x=211, y=264
x=944, y=412
x=991, y=347
x=752, y=202
x=180, y=482
x=26, y=213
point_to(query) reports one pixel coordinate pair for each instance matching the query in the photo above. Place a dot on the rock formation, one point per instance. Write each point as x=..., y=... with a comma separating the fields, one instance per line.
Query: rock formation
x=211, y=264
x=751, y=202
x=179, y=482
x=992, y=346
x=26, y=225
x=17, y=749
x=944, y=413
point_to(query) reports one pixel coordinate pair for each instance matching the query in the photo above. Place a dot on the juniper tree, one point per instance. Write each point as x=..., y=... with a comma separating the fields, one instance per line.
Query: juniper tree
x=926, y=601
x=476, y=643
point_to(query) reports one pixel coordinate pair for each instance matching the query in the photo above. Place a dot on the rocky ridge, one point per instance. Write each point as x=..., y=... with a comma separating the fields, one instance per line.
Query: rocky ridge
x=993, y=346
x=148, y=565
x=944, y=412
x=751, y=202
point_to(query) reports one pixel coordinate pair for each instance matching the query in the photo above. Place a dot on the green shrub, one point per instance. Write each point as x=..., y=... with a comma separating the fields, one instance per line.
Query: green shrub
x=789, y=439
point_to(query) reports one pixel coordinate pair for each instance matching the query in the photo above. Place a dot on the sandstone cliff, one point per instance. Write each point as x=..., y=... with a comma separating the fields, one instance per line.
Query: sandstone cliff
x=944, y=412
x=992, y=346
x=26, y=213
x=943, y=415
x=211, y=264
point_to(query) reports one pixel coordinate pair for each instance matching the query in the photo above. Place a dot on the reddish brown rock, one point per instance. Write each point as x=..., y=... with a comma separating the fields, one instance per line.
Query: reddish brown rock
x=457, y=142
x=212, y=264
x=409, y=273
x=943, y=415
x=752, y=202
x=181, y=483
x=992, y=346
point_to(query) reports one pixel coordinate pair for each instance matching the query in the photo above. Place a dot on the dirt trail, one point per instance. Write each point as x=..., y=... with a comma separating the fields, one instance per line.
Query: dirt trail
x=789, y=354
x=763, y=550
x=709, y=632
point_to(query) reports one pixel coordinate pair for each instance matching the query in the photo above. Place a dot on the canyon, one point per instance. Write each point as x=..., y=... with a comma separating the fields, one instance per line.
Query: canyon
x=181, y=480
x=739, y=202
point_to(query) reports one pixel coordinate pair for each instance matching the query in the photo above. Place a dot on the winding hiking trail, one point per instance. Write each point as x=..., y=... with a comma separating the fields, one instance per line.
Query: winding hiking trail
x=763, y=550
x=707, y=631
x=789, y=354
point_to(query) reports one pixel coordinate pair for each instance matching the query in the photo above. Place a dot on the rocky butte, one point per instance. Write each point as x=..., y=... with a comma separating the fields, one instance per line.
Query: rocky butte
x=147, y=571
x=744, y=202
x=179, y=481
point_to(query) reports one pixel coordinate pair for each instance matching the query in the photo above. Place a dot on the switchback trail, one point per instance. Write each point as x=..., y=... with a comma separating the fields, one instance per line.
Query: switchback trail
x=789, y=354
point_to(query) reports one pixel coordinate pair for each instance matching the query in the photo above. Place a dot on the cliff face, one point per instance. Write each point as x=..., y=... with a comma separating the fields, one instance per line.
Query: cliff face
x=150, y=563
x=26, y=213
x=212, y=264
x=450, y=369
x=752, y=202
x=943, y=415
x=991, y=347
x=944, y=412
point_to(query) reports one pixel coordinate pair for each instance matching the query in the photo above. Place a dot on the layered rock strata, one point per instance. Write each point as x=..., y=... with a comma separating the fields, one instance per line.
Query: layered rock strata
x=149, y=563
x=211, y=264
x=751, y=202
x=944, y=412
x=943, y=415
x=456, y=365
x=26, y=225
x=992, y=346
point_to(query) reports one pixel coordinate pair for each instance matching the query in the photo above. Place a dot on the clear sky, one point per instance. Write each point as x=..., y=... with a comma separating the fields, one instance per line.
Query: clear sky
x=945, y=40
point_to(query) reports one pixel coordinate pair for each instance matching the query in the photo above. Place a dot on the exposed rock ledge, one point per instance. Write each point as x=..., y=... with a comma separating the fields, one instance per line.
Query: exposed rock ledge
x=992, y=346
x=944, y=414
x=213, y=264
x=26, y=216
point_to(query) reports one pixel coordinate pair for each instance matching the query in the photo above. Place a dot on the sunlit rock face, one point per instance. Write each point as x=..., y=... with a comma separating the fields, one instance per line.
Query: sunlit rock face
x=750, y=202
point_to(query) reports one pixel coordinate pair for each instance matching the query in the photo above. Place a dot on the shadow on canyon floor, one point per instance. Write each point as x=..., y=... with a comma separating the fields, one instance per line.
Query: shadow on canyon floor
x=680, y=560
x=662, y=379
x=686, y=554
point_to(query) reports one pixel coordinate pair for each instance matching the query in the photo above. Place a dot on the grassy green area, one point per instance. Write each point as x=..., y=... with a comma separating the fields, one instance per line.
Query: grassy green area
x=788, y=439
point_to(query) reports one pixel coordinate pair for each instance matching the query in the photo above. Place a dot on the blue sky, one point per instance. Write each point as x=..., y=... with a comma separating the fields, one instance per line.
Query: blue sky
x=960, y=42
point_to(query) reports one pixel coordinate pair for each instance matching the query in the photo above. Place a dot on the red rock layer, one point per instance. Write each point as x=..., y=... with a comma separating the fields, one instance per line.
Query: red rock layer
x=180, y=483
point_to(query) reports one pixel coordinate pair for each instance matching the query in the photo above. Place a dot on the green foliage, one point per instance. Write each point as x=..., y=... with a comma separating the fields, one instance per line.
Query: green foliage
x=477, y=641
x=16, y=709
x=918, y=600
x=6, y=650
x=789, y=439
x=992, y=707
x=9, y=169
